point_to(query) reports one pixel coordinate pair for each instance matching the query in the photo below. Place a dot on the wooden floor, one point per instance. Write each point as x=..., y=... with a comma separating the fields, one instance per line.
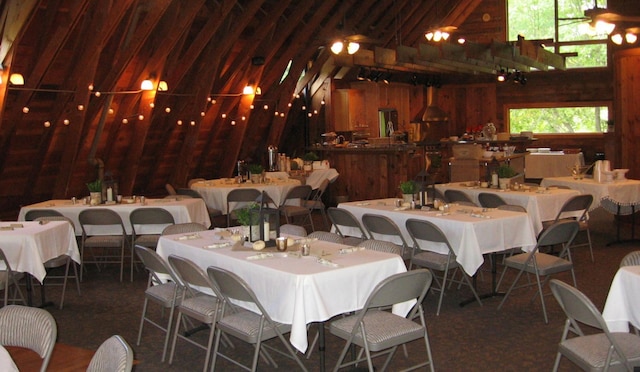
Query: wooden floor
x=64, y=358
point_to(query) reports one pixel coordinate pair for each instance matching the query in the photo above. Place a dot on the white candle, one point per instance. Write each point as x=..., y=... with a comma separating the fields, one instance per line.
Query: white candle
x=109, y=194
x=266, y=230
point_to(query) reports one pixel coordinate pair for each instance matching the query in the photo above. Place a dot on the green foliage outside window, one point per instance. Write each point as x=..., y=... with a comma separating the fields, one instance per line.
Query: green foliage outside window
x=559, y=120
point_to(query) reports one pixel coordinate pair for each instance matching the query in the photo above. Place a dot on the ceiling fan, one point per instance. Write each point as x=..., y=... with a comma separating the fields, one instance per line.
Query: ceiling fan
x=351, y=41
x=603, y=14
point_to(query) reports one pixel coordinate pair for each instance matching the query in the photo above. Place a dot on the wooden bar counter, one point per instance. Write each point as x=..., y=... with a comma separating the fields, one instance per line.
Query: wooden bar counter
x=371, y=172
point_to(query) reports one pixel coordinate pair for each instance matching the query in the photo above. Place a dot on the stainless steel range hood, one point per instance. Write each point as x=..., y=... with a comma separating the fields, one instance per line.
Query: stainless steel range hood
x=433, y=113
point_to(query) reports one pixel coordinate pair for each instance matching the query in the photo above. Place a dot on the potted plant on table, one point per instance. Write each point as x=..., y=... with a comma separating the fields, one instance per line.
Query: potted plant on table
x=249, y=217
x=409, y=189
x=505, y=173
x=95, y=192
x=308, y=160
x=255, y=172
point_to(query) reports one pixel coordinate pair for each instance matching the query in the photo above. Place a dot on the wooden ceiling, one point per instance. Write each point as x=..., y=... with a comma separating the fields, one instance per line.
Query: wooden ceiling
x=57, y=133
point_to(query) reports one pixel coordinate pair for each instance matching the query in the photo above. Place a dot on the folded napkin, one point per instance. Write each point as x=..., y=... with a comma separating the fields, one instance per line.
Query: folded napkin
x=479, y=215
x=350, y=250
x=305, y=240
x=362, y=204
x=217, y=245
x=442, y=214
x=324, y=261
x=401, y=208
x=188, y=237
x=260, y=256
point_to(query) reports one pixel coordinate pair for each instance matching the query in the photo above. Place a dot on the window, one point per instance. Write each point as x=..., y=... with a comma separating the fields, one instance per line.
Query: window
x=562, y=21
x=559, y=120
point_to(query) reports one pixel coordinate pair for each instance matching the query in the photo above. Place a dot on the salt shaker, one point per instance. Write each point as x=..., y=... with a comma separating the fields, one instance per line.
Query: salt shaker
x=306, y=249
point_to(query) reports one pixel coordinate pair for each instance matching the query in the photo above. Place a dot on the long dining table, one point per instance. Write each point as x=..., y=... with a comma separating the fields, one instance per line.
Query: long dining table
x=214, y=192
x=28, y=245
x=624, y=192
x=182, y=209
x=542, y=204
x=294, y=289
x=472, y=232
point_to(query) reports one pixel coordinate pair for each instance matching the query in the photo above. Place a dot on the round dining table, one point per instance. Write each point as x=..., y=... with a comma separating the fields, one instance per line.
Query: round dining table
x=214, y=192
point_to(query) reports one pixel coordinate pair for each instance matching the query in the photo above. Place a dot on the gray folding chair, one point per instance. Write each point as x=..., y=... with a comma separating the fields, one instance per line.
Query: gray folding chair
x=147, y=216
x=9, y=279
x=29, y=327
x=578, y=204
x=425, y=231
x=593, y=351
x=165, y=293
x=315, y=201
x=383, y=228
x=380, y=332
x=490, y=200
x=182, y=228
x=297, y=195
x=62, y=260
x=295, y=230
x=457, y=196
x=326, y=236
x=248, y=326
x=33, y=214
x=194, y=303
x=105, y=218
x=238, y=199
x=543, y=264
x=380, y=246
x=113, y=355
x=631, y=259
x=342, y=217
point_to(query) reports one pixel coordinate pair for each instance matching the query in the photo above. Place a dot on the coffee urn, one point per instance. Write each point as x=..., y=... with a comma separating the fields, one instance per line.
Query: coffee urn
x=273, y=158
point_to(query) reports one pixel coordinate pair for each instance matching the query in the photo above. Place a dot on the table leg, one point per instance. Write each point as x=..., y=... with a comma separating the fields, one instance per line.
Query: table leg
x=494, y=274
x=633, y=228
x=321, y=345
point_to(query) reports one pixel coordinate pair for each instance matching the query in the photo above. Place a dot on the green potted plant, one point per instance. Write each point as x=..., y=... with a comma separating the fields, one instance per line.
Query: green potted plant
x=95, y=192
x=408, y=188
x=308, y=160
x=505, y=173
x=255, y=171
x=249, y=215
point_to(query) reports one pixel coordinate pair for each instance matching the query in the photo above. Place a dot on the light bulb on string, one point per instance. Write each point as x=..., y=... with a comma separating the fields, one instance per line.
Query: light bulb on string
x=233, y=122
x=193, y=123
x=47, y=124
x=65, y=122
x=167, y=109
x=125, y=121
x=224, y=116
x=179, y=122
x=140, y=117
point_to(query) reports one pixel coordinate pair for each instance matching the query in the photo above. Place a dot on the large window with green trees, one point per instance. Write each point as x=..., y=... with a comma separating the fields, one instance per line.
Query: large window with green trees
x=562, y=21
x=568, y=119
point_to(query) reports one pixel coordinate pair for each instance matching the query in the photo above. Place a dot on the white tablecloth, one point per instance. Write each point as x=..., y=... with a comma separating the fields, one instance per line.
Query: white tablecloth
x=469, y=236
x=541, y=205
x=551, y=164
x=316, y=177
x=182, y=210
x=215, y=192
x=296, y=290
x=28, y=247
x=6, y=363
x=623, y=302
x=621, y=191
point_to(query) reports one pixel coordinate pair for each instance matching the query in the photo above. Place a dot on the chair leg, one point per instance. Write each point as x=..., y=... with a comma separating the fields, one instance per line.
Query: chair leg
x=144, y=312
x=64, y=281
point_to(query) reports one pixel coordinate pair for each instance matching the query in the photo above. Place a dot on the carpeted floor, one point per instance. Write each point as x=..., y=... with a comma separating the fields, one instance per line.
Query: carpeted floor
x=470, y=338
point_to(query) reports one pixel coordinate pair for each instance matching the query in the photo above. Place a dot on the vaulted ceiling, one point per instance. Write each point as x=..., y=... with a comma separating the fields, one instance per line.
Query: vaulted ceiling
x=81, y=111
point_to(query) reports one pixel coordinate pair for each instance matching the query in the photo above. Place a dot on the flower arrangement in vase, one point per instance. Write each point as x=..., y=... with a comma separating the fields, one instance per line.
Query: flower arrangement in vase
x=409, y=189
x=255, y=171
x=95, y=192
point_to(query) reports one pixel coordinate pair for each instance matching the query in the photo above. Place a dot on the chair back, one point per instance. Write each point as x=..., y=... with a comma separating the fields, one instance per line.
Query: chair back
x=513, y=208
x=291, y=229
x=456, y=196
x=380, y=246
x=342, y=217
x=301, y=192
x=382, y=225
x=29, y=327
x=181, y=228
x=317, y=193
x=113, y=355
x=410, y=285
x=326, y=236
x=151, y=216
x=631, y=259
x=232, y=287
x=243, y=195
x=155, y=264
x=99, y=216
x=490, y=200
x=188, y=192
x=190, y=275
x=425, y=230
x=561, y=232
x=576, y=204
x=57, y=218
x=576, y=305
x=32, y=214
